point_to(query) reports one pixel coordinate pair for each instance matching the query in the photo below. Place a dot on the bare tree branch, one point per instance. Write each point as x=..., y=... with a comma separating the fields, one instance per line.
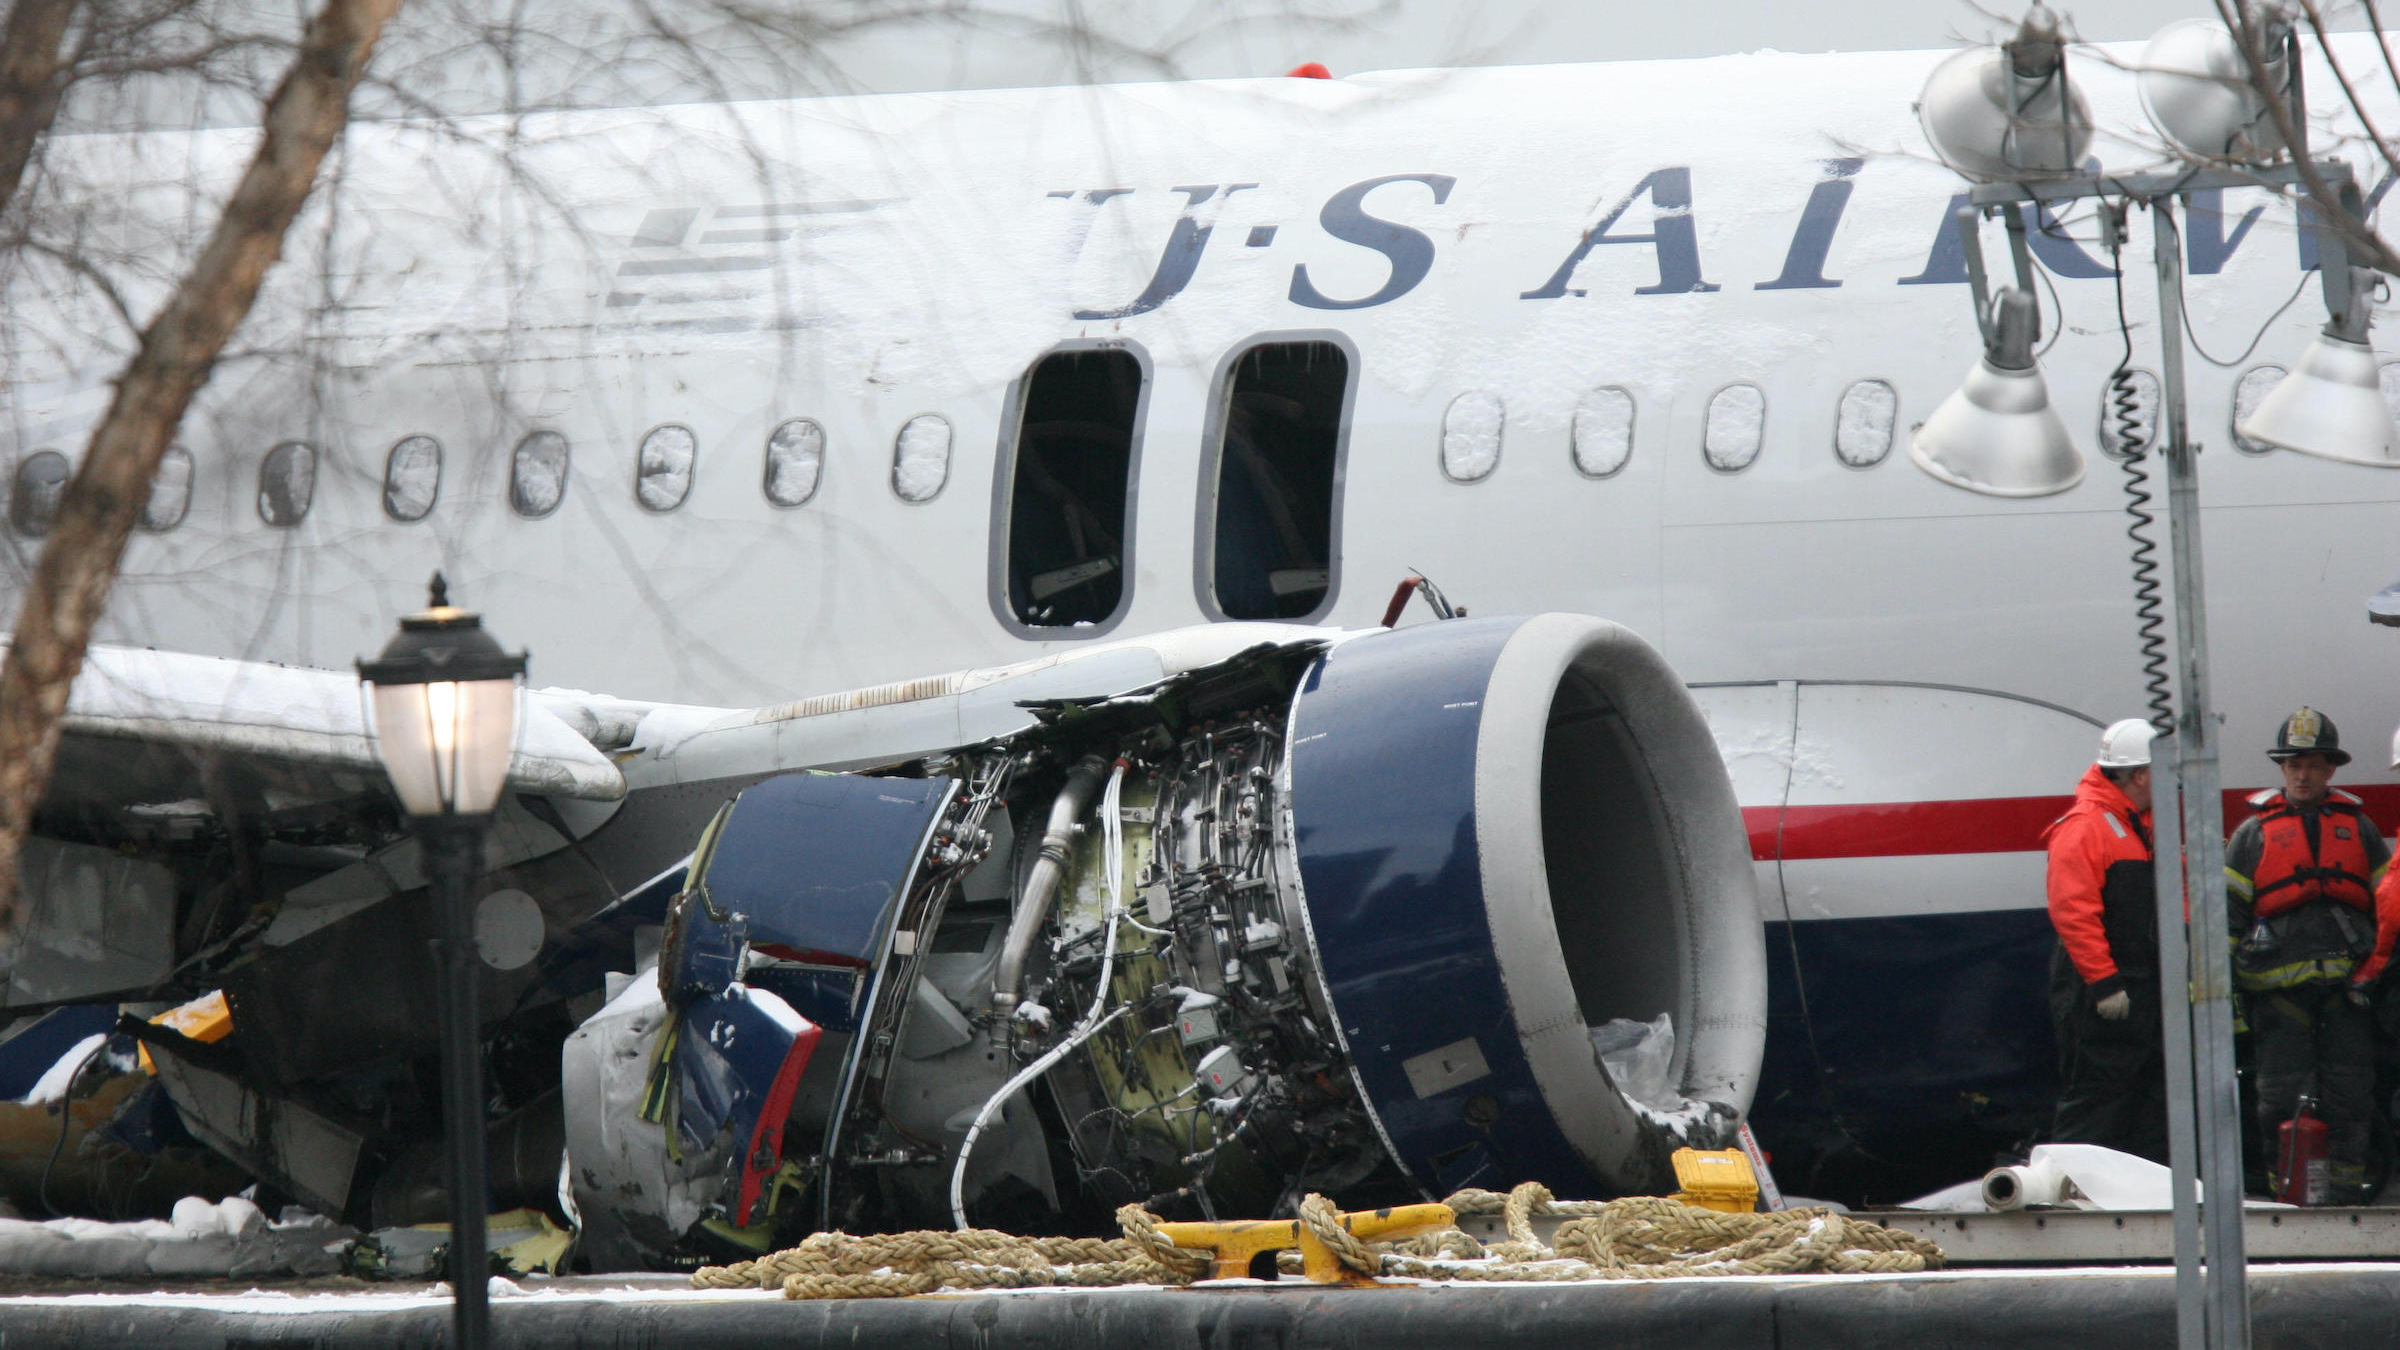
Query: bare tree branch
x=79, y=562
x=2316, y=24
x=33, y=73
x=2365, y=247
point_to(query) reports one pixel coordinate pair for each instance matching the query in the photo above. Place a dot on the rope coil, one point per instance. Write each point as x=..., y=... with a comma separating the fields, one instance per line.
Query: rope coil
x=1639, y=1238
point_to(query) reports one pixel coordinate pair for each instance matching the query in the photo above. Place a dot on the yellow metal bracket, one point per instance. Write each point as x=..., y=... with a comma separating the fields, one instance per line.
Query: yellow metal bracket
x=1232, y=1246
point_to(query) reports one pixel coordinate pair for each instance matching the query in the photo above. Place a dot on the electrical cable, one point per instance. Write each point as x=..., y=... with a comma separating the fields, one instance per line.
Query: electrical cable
x=2255, y=338
x=2058, y=313
x=2125, y=415
x=66, y=1116
x=1112, y=835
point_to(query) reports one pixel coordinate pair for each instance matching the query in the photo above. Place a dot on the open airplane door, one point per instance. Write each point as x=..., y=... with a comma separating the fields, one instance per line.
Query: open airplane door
x=1909, y=945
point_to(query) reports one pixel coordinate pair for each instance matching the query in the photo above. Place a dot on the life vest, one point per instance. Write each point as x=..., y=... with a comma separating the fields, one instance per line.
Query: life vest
x=2316, y=907
x=2290, y=875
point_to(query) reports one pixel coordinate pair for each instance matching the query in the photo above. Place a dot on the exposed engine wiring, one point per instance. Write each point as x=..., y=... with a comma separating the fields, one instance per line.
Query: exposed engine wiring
x=2125, y=417
x=1112, y=836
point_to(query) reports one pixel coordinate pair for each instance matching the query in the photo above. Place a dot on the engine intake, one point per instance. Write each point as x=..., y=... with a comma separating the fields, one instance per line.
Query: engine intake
x=1509, y=830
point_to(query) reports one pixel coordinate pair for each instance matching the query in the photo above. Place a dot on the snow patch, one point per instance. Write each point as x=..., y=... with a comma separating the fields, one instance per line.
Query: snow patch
x=921, y=458
x=537, y=474
x=1602, y=440
x=1737, y=427
x=412, y=477
x=1862, y=427
x=2256, y=383
x=53, y=1084
x=1471, y=435
x=663, y=477
x=795, y=460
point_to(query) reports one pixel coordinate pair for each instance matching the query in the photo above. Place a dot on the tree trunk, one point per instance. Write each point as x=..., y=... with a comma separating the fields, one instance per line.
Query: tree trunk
x=32, y=76
x=79, y=562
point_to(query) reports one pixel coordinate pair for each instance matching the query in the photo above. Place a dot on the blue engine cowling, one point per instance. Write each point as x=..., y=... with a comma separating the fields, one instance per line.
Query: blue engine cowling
x=1508, y=830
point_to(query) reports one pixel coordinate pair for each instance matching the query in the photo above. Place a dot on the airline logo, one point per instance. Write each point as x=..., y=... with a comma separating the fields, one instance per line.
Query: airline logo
x=1350, y=216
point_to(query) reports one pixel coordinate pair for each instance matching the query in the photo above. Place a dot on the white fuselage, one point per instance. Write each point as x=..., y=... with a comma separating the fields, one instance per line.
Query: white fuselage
x=861, y=262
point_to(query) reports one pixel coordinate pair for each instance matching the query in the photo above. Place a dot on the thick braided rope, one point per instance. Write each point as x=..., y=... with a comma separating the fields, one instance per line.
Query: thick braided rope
x=1640, y=1238
x=1325, y=1222
x=1650, y=1237
x=892, y=1265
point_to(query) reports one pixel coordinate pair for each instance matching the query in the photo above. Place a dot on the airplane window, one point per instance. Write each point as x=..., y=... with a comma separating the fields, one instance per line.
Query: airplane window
x=2255, y=384
x=170, y=492
x=1862, y=425
x=1601, y=441
x=662, y=475
x=1737, y=427
x=1277, y=480
x=1471, y=436
x=537, y=474
x=2145, y=412
x=795, y=460
x=412, y=477
x=287, y=483
x=1070, y=481
x=33, y=500
x=921, y=458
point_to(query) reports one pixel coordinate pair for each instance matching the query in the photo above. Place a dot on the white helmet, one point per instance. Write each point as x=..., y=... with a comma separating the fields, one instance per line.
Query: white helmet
x=2126, y=744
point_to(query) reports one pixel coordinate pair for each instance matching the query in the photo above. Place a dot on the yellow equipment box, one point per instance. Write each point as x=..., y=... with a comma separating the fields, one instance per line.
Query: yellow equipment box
x=1719, y=1179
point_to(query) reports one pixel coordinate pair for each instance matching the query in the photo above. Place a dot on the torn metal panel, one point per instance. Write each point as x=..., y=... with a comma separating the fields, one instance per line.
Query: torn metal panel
x=281, y=1141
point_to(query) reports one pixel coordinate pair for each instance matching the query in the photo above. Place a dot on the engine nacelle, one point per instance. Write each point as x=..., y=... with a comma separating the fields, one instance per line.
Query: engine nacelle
x=1508, y=831
x=1336, y=914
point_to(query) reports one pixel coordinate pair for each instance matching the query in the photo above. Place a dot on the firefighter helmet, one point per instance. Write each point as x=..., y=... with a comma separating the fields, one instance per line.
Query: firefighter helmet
x=2308, y=732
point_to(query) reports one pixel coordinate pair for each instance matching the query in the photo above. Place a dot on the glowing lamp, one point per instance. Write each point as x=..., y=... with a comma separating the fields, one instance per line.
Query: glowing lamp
x=445, y=708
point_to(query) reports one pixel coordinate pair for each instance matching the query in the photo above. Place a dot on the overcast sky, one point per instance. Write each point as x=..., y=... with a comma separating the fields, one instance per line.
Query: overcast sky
x=1230, y=37
x=447, y=55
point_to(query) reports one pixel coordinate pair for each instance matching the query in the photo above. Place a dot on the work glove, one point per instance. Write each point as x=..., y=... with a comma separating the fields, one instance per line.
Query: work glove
x=2116, y=1007
x=2360, y=996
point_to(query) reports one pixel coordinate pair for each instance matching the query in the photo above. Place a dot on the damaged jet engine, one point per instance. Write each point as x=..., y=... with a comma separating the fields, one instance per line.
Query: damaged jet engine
x=1326, y=920
x=1206, y=921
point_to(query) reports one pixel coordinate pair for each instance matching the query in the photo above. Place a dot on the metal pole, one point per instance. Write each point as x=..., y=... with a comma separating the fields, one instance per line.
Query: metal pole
x=2175, y=1025
x=453, y=854
x=2201, y=865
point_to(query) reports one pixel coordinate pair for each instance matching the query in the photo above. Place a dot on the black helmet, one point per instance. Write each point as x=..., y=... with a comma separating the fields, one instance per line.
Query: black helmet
x=2308, y=732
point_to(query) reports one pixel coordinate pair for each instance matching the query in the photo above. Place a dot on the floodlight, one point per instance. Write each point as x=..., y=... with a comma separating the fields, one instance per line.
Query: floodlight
x=2196, y=88
x=2331, y=405
x=1999, y=434
x=2008, y=113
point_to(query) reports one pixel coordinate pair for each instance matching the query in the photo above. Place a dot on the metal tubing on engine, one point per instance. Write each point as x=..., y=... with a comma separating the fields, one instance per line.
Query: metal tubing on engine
x=1041, y=886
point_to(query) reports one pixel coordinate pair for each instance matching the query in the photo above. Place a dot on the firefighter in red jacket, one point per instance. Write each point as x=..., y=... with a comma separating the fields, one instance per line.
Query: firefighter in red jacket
x=2104, y=976
x=2301, y=878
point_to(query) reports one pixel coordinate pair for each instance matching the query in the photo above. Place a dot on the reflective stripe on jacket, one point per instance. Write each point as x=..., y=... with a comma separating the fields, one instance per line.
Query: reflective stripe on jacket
x=2102, y=892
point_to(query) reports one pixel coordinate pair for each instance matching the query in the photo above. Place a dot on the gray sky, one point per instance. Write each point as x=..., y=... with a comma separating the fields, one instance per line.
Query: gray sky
x=471, y=56
x=1228, y=37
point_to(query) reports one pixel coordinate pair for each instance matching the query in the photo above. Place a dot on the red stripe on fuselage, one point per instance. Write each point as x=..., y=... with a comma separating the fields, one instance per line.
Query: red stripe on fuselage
x=1975, y=825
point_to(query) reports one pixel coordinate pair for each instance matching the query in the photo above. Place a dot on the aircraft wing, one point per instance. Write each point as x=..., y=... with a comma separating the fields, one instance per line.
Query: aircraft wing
x=147, y=730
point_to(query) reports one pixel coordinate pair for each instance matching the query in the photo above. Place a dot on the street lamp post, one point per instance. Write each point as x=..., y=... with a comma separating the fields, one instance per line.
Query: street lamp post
x=445, y=716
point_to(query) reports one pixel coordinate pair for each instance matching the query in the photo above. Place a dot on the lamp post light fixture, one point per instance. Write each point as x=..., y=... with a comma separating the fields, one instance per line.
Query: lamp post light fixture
x=445, y=697
x=1999, y=436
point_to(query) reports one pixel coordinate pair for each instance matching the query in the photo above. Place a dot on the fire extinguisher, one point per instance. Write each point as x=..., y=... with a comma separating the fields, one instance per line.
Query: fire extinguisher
x=2302, y=1162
